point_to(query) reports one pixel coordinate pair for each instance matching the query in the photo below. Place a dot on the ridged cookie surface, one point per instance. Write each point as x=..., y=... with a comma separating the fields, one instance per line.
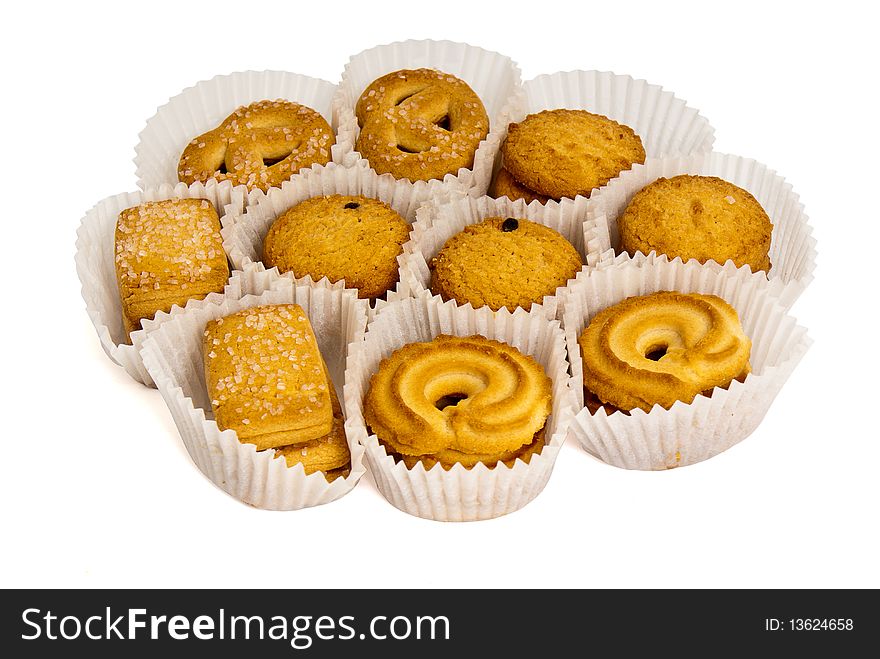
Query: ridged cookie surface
x=661, y=348
x=697, y=217
x=470, y=395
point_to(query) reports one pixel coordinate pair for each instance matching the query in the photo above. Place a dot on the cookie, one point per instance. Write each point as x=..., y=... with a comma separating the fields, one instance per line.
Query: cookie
x=468, y=395
x=327, y=453
x=662, y=348
x=260, y=145
x=565, y=153
x=166, y=253
x=420, y=124
x=354, y=238
x=266, y=378
x=447, y=459
x=503, y=262
x=697, y=217
x=504, y=185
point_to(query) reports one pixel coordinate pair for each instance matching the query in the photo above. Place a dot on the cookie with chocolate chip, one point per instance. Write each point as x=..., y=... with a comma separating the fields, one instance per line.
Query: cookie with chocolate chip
x=354, y=238
x=503, y=262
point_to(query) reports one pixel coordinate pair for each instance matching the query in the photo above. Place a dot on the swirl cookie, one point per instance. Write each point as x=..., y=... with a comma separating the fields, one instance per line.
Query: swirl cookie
x=661, y=348
x=166, y=253
x=260, y=145
x=459, y=399
x=420, y=124
x=697, y=217
x=565, y=153
x=339, y=237
x=503, y=262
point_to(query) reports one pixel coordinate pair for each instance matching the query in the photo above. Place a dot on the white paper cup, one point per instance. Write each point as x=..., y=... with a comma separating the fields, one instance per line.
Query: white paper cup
x=437, y=222
x=792, y=246
x=664, y=123
x=243, y=237
x=685, y=433
x=494, y=77
x=95, y=246
x=172, y=352
x=458, y=494
x=204, y=106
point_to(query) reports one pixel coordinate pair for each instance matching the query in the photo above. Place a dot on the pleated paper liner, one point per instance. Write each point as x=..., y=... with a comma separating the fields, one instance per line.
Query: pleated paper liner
x=792, y=246
x=95, y=265
x=458, y=494
x=494, y=77
x=664, y=123
x=243, y=237
x=685, y=433
x=172, y=353
x=202, y=107
x=439, y=221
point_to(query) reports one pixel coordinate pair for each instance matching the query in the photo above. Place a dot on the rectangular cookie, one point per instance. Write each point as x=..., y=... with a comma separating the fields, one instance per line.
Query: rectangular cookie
x=167, y=252
x=266, y=377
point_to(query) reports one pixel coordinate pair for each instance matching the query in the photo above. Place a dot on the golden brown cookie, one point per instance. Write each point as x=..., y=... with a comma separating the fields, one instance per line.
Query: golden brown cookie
x=503, y=262
x=661, y=348
x=260, y=145
x=353, y=238
x=166, y=253
x=266, y=378
x=565, y=153
x=697, y=217
x=504, y=185
x=420, y=124
x=447, y=459
x=465, y=394
x=327, y=453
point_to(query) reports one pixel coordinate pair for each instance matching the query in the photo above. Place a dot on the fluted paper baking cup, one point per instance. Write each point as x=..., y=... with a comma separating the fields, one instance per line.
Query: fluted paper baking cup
x=243, y=237
x=458, y=494
x=437, y=222
x=172, y=352
x=494, y=77
x=202, y=107
x=95, y=266
x=792, y=246
x=686, y=433
x=665, y=124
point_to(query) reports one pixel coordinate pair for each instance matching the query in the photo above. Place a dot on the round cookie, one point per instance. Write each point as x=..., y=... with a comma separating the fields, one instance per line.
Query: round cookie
x=260, y=145
x=353, y=238
x=503, y=263
x=504, y=185
x=420, y=124
x=565, y=153
x=697, y=217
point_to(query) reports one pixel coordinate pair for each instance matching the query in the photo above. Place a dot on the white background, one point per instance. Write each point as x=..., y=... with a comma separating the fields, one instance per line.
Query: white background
x=96, y=488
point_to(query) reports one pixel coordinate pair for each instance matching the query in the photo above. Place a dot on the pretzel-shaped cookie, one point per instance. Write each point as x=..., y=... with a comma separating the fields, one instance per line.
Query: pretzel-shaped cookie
x=472, y=395
x=260, y=145
x=662, y=348
x=420, y=124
